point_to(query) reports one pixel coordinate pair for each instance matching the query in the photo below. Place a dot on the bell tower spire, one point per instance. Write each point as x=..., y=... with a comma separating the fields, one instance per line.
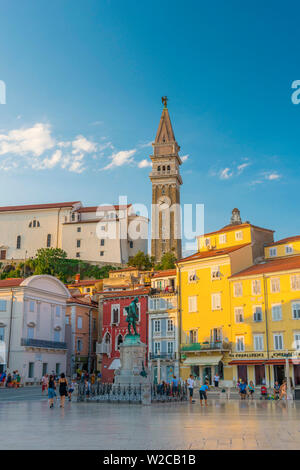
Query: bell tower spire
x=166, y=182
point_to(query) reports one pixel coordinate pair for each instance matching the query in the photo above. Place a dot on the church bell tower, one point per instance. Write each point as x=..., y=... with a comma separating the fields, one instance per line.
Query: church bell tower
x=166, y=181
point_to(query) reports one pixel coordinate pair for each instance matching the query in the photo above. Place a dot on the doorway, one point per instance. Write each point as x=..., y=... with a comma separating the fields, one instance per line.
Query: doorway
x=279, y=374
x=207, y=374
x=242, y=373
x=297, y=374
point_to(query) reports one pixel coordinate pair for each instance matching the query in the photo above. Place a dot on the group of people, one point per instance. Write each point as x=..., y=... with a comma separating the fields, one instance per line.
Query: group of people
x=248, y=390
x=50, y=383
x=172, y=388
x=10, y=380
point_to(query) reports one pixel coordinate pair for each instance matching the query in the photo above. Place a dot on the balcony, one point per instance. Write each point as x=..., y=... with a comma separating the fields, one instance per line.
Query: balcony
x=43, y=344
x=206, y=346
x=163, y=356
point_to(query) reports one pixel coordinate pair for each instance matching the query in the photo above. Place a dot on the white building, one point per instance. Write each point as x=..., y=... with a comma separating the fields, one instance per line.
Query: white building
x=109, y=237
x=32, y=326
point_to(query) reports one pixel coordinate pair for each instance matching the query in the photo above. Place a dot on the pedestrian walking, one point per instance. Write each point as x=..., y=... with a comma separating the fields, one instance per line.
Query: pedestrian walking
x=191, y=383
x=51, y=391
x=216, y=380
x=71, y=390
x=174, y=386
x=251, y=389
x=283, y=390
x=45, y=380
x=63, y=389
x=202, y=392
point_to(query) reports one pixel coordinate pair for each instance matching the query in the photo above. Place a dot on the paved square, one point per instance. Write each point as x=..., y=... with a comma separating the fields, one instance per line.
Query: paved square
x=222, y=425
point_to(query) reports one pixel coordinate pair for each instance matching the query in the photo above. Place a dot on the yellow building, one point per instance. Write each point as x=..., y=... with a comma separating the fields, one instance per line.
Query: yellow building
x=286, y=247
x=205, y=310
x=266, y=321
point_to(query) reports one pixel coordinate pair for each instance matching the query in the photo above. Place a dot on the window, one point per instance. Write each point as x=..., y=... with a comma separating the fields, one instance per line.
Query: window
x=31, y=306
x=18, y=242
x=215, y=272
x=77, y=255
x=31, y=370
x=156, y=347
x=34, y=223
x=295, y=282
x=257, y=313
x=73, y=216
x=192, y=277
x=2, y=334
x=238, y=289
x=273, y=252
x=193, y=336
x=94, y=324
x=79, y=345
x=222, y=239
x=130, y=244
x=278, y=341
x=239, y=235
x=258, y=342
x=276, y=312
x=45, y=368
x=256, y=287
x=57, y=311
x=207, y=241
x=115, y=314
x=156, y=326
x=216, y=301
x=170, y=347
x=192, y=304
x=296, y=344
x=239, y=314
x=101, y=253
x=79, y=323
x=67, y=320
x=296, y=310
x=288, y=249
x=57, y=336
x=170, y=325
x=3, y=305
x=119, y=342
x=3, y=254
x=275, y=285
x=102, y=241
x=78, y=229
x=240, y=343
x=78, y=243
x=30, y=332
x=57, y=368
x=48, y=240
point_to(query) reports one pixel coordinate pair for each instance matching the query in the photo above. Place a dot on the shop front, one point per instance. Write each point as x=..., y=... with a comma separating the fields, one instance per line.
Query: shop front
x=204, y=368
x=250, y=370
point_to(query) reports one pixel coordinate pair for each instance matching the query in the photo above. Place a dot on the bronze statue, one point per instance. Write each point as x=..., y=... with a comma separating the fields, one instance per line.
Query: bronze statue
x=132, y=315
x=164, y=101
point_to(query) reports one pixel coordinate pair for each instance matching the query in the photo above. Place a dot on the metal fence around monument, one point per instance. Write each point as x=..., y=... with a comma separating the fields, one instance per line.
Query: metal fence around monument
x=109, y=393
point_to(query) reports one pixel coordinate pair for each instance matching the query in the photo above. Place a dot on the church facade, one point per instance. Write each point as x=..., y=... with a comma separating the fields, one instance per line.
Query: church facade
x=166, y=181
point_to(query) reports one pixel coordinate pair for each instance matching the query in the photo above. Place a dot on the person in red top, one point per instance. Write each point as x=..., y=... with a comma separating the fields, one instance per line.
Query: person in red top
x=263, y=392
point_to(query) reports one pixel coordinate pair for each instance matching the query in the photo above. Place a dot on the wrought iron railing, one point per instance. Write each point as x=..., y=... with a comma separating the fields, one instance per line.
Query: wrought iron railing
x=206, y=346
x=108, y=392
x=42, y=343
x=166, y=392
x=170, y=356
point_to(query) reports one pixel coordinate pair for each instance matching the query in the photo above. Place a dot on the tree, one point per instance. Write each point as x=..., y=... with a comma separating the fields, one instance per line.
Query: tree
x=167, y=262
x=141, y=261
x=50, y=261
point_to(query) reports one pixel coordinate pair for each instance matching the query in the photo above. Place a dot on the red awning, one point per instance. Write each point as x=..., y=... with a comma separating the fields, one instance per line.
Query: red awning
x=279, y=362
x=249, y=362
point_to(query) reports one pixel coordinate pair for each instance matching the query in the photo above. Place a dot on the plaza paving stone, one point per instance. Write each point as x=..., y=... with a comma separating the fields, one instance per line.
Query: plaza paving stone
x=222, y=425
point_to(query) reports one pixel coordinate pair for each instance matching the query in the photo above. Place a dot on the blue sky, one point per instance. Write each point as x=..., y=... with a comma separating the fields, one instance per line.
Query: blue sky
x=84, y=82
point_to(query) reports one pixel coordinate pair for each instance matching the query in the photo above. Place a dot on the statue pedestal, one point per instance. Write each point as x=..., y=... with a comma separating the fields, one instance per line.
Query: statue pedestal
x=132, y=357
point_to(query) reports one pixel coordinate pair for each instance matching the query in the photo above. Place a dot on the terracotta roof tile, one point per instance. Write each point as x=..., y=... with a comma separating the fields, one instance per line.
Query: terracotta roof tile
x=11, y=282
x=212, y=253
x=126, y=293
x=285, y=240
x=166, y=272
x=104, y=208
x=56, y=205
x=274, y=265
x=84, y=282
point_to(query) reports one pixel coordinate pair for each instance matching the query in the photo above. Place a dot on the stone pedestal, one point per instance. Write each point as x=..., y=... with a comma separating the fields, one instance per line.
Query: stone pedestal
x=132, y=357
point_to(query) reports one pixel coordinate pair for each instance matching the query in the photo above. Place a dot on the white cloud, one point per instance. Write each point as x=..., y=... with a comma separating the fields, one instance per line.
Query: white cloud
x=124, y=157
x=272, y=176
x=144, y=163
x=242, y=167
x=185, y=158
x=225, y=174
x=32, y=140
x=52, y=161
x=81, y=144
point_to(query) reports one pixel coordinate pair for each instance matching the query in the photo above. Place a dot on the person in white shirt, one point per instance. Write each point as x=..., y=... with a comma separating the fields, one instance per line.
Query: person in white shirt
x=216, y=380
x=190, y=383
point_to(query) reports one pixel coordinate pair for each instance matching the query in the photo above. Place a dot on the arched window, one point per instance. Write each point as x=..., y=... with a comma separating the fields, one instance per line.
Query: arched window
x=34, y=223
x=48, y=240
x=164, y=168
x=18, y=242
x=158, y=168
x=30, y=224
x=168, y=168
x=119, y=341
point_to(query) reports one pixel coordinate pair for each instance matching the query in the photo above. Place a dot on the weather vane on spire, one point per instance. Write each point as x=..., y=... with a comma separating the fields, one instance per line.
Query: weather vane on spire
x=164, y=101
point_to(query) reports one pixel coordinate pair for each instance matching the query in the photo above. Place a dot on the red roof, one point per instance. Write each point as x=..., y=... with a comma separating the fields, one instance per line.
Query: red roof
x=86, y=301
x=274, y=265
x=103, y=208
x=285, y=240
x=56, y=205
x=84, y=282
x=11, y=282
x=165, y=273
x=212, y=253
x=131, y=268
x=231, y=227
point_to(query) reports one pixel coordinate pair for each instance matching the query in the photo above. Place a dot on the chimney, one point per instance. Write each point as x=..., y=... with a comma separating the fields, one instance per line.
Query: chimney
x=77, y=277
